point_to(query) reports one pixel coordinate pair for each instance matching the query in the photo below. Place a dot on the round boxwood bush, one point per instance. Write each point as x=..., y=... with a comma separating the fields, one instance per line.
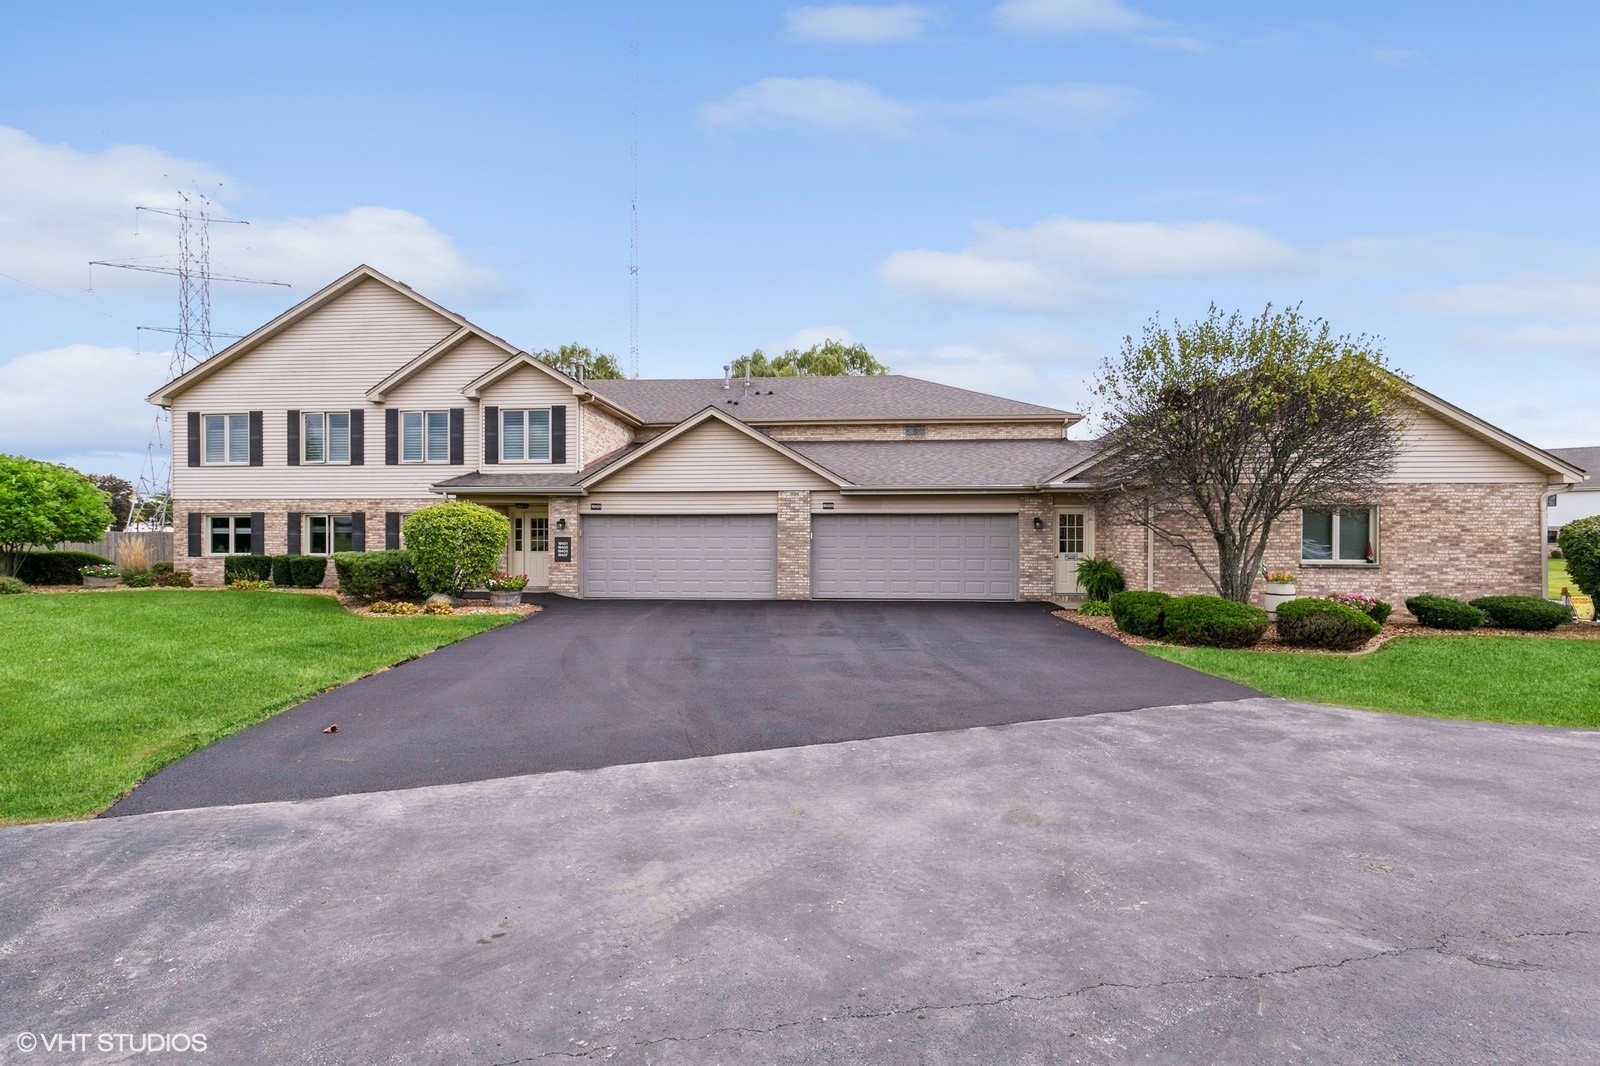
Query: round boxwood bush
x=11, y=586
x=1441, y=612
x=1139, y=613
x=455, y=546
x=1213, y=622
x=1314, y=623
x=1523, y=612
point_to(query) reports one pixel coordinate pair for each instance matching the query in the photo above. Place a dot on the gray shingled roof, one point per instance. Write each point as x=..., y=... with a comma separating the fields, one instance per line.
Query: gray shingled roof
x=891, y=397
x=1588, y=459
x=933, y=464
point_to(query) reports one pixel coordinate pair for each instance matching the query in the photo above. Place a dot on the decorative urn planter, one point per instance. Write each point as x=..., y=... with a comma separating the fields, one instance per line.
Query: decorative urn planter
x=1278, y=594
x=505, y=597
x=101, y=582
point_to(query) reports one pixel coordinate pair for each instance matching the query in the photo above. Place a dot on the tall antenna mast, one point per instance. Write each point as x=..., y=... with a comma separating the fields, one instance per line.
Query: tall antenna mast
x=194, y=339
x=633, y=203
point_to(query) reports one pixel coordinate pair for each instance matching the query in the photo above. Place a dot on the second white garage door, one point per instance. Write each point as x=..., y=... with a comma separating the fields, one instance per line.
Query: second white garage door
x=680, y=557
x=914, y=557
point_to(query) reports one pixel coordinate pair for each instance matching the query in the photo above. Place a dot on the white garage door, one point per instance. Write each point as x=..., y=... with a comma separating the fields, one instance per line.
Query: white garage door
x=690, y=557
x=914, y=557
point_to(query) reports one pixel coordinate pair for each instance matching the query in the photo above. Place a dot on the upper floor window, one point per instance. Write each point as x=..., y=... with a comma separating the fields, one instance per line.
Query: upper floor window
x=325, y=437
x=226, y=439
x=424, y=436
x=525, y=435
x=1347, y=535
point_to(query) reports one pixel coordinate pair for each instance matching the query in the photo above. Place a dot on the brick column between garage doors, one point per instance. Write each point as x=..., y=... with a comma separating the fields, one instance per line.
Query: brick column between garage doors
x=794, y=544
x=564, y=576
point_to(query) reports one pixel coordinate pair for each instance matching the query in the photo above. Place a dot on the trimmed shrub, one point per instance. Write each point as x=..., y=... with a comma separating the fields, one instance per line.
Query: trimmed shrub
x=1441, y=612
x=455, y=546
x=139, y=579
x=1101, y=578
x=1140, y=613
x=299, y=571
x=11, y=586
x=1213, y=622
x=237, y=568
x=1580, y=546
x=1314, y=623
x=1370, y=606
x=160, y=568
x=173, y=579
x=438, y=608
x=1523, y=612
x=1555, y=553
x=57, y=568
x=1094, y=608
x=386, y=575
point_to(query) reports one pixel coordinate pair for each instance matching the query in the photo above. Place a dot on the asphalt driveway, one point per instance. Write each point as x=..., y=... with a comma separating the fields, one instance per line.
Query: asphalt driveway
x=1248, y=881
x=588, y=684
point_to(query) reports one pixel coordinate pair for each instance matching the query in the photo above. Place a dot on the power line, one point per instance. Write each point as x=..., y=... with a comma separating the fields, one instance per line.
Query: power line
x=633, y=203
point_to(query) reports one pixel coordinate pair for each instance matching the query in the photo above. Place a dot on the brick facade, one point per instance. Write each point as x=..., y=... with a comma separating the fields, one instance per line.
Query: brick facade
x=207, y=569
x=1464, y=540
x=1036, y=549
x=794, y=544
x=564, y=576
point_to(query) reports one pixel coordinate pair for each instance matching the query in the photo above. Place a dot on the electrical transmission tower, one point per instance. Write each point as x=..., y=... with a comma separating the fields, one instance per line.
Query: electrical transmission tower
x=193, y=343
x=633, y=212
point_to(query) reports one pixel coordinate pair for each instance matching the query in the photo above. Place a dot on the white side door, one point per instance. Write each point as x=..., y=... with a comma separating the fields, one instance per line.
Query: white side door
x=1074, y=541
x=529, y=549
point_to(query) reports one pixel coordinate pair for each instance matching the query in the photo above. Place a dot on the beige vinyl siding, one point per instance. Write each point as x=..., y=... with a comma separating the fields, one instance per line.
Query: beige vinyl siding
x=527, y=387
x=713, y=457
x=914, y=504
x=680, y=503
x=1437, y=452
x=328, y=361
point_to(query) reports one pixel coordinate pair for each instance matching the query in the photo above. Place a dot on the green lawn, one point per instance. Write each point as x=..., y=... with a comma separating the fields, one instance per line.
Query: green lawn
x=100, y=690
x=1556, y=570
x=1491, y=679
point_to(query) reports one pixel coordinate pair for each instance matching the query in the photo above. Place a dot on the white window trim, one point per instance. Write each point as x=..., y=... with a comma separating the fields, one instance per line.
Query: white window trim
x=305, y=531
x=232, y=534
x=549, y=432
x=1372, y=526
x=424, y=413
x=327, y=438
x=227, y=438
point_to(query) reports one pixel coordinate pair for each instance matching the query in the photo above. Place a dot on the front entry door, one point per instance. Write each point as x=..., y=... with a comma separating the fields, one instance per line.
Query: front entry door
x=529, y=550
x=1074, y=541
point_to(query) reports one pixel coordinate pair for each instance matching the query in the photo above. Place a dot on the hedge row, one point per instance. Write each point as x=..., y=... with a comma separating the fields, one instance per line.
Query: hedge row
x=1209, y=621
x=57, y=568
x=387, y=575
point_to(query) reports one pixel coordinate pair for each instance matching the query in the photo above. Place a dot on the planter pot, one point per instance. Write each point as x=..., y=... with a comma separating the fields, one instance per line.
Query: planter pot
x=101, y=582
x=505, y=597
x=1278, y=594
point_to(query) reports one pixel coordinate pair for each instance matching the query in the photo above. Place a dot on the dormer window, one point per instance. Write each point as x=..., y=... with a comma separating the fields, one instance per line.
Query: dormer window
x=525, y=435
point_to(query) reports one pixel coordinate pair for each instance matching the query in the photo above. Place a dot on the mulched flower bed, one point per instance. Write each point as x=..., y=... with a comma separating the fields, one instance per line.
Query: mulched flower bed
x=1390, y=631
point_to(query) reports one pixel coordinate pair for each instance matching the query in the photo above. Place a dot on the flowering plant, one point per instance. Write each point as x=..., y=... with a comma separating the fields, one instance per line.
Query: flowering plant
x=1279, y=577
x=1370, y=606
x=99, y=570
x=500, y=581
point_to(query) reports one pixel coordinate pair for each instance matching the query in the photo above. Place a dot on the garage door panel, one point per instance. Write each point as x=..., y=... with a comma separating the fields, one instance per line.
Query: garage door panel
x=945, y=557
x=680, y=556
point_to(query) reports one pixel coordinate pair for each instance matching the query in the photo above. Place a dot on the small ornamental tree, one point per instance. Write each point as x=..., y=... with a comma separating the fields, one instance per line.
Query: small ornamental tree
x=455, y=546
x=42, y=504
x=1580, y=546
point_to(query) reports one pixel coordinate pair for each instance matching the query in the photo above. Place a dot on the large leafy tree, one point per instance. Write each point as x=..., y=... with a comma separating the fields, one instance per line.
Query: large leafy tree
x=1216, y=430
x=569, y=356
x=42, y=504
x=828, y=359
x=122, y=497
x=1580, y=546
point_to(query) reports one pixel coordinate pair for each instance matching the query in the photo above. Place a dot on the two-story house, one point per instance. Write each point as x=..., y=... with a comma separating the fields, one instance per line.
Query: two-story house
x=321, y=430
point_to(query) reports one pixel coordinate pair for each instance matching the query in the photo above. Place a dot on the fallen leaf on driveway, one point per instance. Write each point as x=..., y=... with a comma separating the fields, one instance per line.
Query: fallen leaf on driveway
x=331, y=729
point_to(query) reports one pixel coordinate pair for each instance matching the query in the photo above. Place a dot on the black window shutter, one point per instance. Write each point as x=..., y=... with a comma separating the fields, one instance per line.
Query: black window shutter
x=358, y=437
x=558, y=433
x=391, y=530
x=458, y=435
x=491, y=435
x=255, y=438
x=258, y=532
x=294, y=440
x=294, y=532
x=358, y=531
x=194, y=534
x=391, y=437
x=194, y=440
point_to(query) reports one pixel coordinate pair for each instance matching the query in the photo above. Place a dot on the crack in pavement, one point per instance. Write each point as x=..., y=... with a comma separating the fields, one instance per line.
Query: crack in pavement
x=1438, y=946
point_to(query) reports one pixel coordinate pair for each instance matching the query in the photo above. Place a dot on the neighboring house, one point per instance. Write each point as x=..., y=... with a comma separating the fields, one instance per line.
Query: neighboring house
x=1579, y=501
x=321, y=430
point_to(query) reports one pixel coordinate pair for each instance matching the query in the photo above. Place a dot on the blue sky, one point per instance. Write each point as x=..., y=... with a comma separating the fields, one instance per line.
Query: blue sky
x=991, y=195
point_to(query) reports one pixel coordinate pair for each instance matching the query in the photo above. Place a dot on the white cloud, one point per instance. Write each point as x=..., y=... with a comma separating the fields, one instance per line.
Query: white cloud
x=1060, y=263
x=1524, y=294
x=1571, y=338
x=1093, y=16
x=822, y=103
x=813, y=335
x=61, y=207
x=1077, y=107
x=1390, y=57
x=858, y=23
x=1038, y=366
x=78, y=399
